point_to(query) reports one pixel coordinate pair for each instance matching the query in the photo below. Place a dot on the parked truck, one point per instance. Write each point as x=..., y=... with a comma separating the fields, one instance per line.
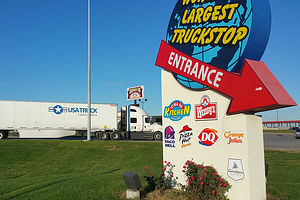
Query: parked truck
x=55, y=120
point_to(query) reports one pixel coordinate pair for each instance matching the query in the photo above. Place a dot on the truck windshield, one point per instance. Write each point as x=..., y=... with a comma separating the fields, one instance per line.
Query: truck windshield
x=149, y=120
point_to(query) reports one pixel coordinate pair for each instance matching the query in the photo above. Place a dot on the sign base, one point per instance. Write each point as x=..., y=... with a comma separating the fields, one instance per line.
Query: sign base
x=198, y=128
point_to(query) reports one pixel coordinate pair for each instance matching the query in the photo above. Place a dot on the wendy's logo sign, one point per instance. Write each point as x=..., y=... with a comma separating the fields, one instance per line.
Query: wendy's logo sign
x=206, y=110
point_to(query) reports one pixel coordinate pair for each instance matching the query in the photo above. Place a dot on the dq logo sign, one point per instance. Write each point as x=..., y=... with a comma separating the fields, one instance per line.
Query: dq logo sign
x=208, y=137
x=206, y=110
x=169, y=137
x=177, y=110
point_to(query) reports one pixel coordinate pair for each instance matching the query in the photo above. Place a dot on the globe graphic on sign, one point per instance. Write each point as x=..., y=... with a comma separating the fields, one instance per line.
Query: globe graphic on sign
x=228, y=58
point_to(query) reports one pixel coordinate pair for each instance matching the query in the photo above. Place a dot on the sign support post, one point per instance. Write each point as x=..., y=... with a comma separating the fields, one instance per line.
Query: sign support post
x=89, y=73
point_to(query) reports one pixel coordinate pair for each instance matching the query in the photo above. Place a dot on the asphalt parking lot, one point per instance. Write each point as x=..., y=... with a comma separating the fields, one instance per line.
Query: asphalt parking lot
x=281, y=141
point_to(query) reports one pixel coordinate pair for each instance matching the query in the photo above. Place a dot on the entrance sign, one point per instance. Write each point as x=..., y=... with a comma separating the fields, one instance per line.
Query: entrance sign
x=255, y=90
x=212, y=84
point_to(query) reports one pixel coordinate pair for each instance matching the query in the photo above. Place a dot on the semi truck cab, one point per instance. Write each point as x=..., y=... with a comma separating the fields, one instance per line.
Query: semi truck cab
x=135, y=124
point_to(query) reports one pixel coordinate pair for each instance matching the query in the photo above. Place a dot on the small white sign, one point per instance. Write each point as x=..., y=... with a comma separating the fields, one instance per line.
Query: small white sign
x=235, y=169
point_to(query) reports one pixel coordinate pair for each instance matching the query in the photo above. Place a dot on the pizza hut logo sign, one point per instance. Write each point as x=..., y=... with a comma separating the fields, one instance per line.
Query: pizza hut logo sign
x=208, y=137
x=206, y=110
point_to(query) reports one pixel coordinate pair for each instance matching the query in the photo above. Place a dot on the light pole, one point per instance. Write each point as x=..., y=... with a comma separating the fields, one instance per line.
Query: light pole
x=89, y=73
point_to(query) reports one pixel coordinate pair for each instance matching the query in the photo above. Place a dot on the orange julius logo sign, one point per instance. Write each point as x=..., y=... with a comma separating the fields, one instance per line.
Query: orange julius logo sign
x=234, y=137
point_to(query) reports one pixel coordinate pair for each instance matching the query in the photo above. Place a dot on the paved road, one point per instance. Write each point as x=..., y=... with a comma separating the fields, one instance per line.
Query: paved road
x=284, y=141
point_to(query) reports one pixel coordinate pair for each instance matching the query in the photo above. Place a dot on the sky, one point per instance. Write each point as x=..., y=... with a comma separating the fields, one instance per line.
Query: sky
x=43, y=50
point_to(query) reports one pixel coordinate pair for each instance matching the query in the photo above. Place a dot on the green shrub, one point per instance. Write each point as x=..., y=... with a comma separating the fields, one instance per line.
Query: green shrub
x=204, y=182
x=162, y=181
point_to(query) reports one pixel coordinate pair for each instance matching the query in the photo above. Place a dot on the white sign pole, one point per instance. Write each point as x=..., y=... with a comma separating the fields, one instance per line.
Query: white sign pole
x=89, y=73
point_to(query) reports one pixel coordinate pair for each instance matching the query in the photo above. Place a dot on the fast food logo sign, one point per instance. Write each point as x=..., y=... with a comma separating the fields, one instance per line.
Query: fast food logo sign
x=177, y=110
x=206, y=110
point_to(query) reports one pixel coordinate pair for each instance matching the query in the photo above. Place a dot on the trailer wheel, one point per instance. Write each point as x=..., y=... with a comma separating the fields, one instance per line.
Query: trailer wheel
x=2, y=135
x=115, y=136
x=104, y=136
x=157, y=136
x=5, y=134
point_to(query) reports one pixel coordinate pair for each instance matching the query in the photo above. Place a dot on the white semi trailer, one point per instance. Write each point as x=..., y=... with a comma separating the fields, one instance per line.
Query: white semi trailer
x=55, y=120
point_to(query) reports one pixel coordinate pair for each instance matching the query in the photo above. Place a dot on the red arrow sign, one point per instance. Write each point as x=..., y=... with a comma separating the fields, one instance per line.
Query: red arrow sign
x=254, y=90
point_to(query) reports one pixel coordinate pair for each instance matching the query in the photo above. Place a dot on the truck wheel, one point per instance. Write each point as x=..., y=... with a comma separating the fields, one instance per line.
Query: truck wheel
x=104, y=136
x=115, y=136
x=157, y=136
x=2, y=135
x=97, y=135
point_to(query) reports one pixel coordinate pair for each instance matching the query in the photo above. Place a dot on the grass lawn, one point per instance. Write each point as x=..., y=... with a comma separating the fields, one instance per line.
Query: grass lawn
x=65, y=169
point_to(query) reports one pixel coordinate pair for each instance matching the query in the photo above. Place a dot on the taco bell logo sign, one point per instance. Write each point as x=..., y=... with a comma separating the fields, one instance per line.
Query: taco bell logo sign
x=208, y=137
x=206, y=110
x=169, y=137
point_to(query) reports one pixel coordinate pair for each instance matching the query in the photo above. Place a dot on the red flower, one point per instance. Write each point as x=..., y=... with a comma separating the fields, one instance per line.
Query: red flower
x=200, y=178
x=165, y=161
x=199, y=166
x=216, y=173
x=220, y=184
x=214, y=192
x=204, y=171
x=184, y=166
x=151, y=171
x=172, y=175
x=221, y=180
x=202, y=175
x=146, y=167
x=164, y=169
x=202, y=183
x=189, y=182
x=193, y=178
x=218, y=178
x=224, y=184
x=163, y=174
x=183, y=171
x=161, y=161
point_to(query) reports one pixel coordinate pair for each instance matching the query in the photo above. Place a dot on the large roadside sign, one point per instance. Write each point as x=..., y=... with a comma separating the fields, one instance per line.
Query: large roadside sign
x=213, y=83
